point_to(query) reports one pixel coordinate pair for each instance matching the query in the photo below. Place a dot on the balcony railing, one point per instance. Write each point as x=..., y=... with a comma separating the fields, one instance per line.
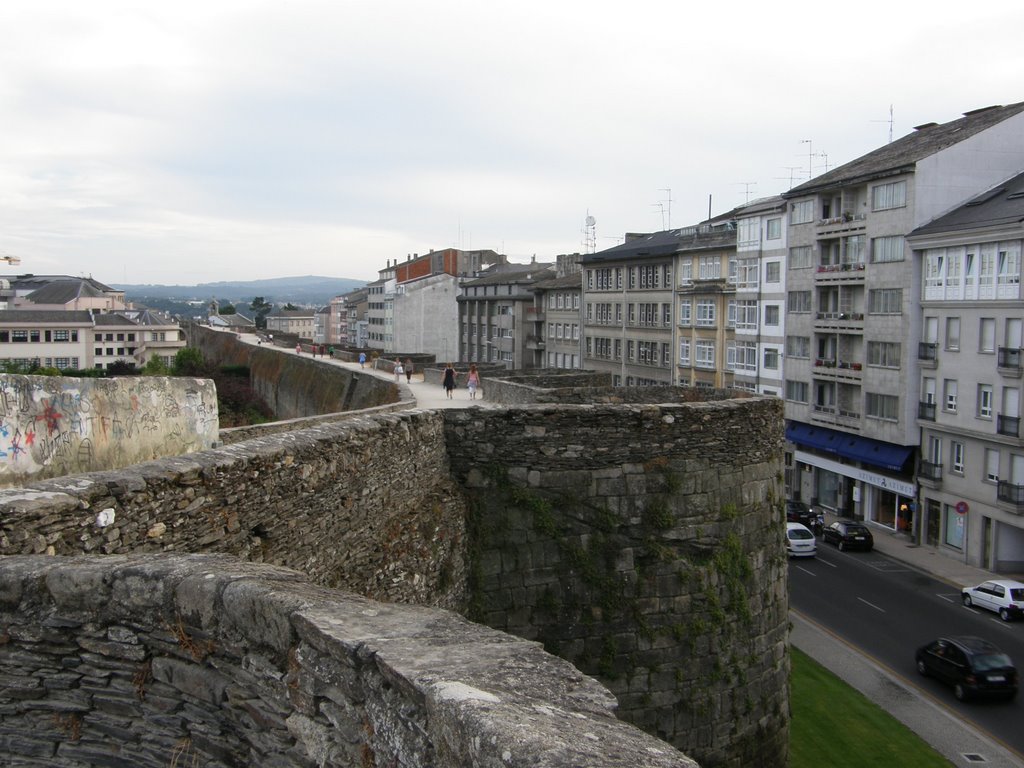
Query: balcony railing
x=930, y=471
x=928, y=353
x=1008, y=425
x=1011, y=493
x=1008, y=360
x=926, y=411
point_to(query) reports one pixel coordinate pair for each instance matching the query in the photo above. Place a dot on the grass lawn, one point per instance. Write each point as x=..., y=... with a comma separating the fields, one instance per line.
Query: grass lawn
x=835, y=725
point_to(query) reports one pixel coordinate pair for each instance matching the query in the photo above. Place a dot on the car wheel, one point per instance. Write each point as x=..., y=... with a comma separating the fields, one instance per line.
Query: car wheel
x=922, y=668
x=842, y=546
x=967, y=601
x=960, y=692
x=1004, y=614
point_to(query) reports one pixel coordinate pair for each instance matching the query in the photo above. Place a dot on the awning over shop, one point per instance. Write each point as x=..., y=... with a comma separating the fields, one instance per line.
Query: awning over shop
x=853, y=447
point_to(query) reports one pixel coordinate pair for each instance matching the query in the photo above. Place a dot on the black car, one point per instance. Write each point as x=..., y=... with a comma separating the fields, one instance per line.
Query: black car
x=974, y=667
x=849, y=534
x=799, y=512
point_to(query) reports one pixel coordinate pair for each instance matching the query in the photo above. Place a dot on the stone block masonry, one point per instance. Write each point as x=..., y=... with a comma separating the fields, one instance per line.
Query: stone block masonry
x=156, y=661
x=643, y=544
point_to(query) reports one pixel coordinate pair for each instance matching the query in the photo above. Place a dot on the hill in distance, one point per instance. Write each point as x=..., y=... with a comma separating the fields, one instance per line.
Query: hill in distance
x=310, y=290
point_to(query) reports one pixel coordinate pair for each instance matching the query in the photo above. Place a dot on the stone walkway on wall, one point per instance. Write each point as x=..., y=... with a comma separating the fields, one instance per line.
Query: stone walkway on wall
x=428, y=396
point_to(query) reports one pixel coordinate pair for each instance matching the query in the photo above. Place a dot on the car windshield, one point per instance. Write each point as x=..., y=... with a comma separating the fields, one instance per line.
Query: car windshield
x=986, y=661
x=1017, y=594
x=797, y=533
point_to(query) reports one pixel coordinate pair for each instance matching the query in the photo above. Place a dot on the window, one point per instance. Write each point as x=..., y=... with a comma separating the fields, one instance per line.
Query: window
x=949, y=395
x=798, y=346
x=771, y=359
x=773, y=229
x=799, y=301
x=710, y=267
x=953, y=333
x=705, y=313
x=802, y=212
x=686, y=271
x=956, y=456
x=985, y=401
x=882, y=406
x=886, y=249
x=745, y=356
x=747, y=232
x=987, y=335
x=771, y=314
x=19, y=336
x=886, y=196
x=705, y=354
x=746, y=315
x=62, y=335
x=746, y=273
x=684, y=311
x=885, y=301
x=796, y=391
x=771, y=272
x=992, y=465
x=800, y=257
x=885, y=354
x=684, y=351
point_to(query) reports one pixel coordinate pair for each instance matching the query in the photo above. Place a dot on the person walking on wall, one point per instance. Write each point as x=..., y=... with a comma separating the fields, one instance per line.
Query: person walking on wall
x=362, y=359
x=398, y=370
x=473, y=381
x=298, y=349
x=449, y=380
x=408, y=370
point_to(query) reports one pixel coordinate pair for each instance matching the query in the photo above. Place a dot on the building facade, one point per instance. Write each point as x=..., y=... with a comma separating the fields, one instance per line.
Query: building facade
x=557, y=315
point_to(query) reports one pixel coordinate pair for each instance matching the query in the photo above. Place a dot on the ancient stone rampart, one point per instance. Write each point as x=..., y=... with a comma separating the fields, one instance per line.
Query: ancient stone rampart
x=643, y=544
x=52, y=426
x=294, y=386
x=156, y=661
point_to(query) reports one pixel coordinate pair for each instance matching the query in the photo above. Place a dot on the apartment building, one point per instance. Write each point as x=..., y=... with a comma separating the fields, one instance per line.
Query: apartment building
x=627, y=309
x=971, y=471
x=556, y=315
x=298, y=322
x=353, y=331
x=758, y=315
x=496, y=317
x=853, y=317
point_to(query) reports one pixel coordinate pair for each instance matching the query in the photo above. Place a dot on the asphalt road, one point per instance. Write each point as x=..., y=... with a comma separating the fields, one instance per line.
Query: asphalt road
x=888, y=610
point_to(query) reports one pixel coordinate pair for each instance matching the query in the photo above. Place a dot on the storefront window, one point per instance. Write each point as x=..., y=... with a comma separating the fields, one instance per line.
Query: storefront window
x=954, y=530
x=828, y=488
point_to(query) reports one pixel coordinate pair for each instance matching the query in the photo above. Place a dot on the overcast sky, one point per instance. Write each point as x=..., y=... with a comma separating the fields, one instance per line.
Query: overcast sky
x=191, y=142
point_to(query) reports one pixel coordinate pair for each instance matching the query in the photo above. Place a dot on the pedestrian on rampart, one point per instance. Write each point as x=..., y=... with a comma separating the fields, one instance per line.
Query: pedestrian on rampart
x=408, y=370
x=449, y=380
x=472, y=381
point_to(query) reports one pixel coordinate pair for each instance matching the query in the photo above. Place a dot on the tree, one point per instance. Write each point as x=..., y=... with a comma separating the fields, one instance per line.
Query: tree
x=155, y=367
x=289, y=307
x=189, y=362
x=261, y=309
x=228, y=309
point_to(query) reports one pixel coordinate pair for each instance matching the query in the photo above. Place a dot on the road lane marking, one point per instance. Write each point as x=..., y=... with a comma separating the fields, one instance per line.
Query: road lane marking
x=826, y=562
x=801, y=568
x=872, y=605
x=947, y=598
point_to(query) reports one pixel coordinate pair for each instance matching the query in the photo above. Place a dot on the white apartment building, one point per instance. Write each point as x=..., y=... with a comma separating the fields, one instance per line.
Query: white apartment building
x=853, y=319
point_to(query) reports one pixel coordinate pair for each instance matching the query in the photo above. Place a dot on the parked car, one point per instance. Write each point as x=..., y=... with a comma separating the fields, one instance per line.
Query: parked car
x=800, y=541
x=849, y=534
x=799, y=512
x=1002, y=596
x=973, y=666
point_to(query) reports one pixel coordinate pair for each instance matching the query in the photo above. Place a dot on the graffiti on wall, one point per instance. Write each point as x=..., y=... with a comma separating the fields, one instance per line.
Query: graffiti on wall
x=52, y=426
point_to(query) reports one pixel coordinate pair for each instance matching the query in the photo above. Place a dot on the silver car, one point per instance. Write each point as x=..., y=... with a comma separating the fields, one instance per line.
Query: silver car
x=999, y=595
x=800, y=541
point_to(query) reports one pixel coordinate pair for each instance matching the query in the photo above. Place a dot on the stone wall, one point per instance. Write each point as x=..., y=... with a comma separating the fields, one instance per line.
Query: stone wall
x=156, y=661
x=643, y=544
x=367, y=504
x=582, y=390
x=52, y=426
x=294, y=386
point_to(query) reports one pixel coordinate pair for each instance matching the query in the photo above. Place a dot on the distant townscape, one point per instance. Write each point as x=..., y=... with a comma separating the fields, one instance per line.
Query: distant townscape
x=881, y=300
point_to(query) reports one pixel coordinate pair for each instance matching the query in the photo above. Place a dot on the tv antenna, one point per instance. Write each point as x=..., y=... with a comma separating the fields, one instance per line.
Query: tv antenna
x=589, y=233
x=792, y=174
x=668, y=207
x=824, y=155
x=746, y=188
x=660, y=207
x=890, y=121
x=810, y=157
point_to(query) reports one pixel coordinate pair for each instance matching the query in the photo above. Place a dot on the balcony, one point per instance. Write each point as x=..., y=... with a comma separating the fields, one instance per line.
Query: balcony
x=835, y=273
x=928, y=354
x=929, y=471
x=534, y=341
x=1008, y=425
x=839, y=321
x=535, y=314
x=837, y=226
x=926, y=411
x=1008, y=361
x=837, y=369
x=1012, y=494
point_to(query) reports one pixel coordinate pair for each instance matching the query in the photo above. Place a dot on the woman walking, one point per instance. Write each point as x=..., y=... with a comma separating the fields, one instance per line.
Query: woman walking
x=449, y=380
x=473, y=381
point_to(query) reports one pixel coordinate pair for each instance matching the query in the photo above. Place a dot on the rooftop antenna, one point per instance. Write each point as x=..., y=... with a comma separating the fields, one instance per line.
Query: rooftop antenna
x=824, y=155
x=668, y=204
x=747, y=185
x=890, y=121
x=589, y=233
x=661, y=207
x=810, y=157
x=792, y=173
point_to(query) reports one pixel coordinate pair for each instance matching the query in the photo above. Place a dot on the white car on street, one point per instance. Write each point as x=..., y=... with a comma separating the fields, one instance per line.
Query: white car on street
x=1000, y=595
x=800, y=541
